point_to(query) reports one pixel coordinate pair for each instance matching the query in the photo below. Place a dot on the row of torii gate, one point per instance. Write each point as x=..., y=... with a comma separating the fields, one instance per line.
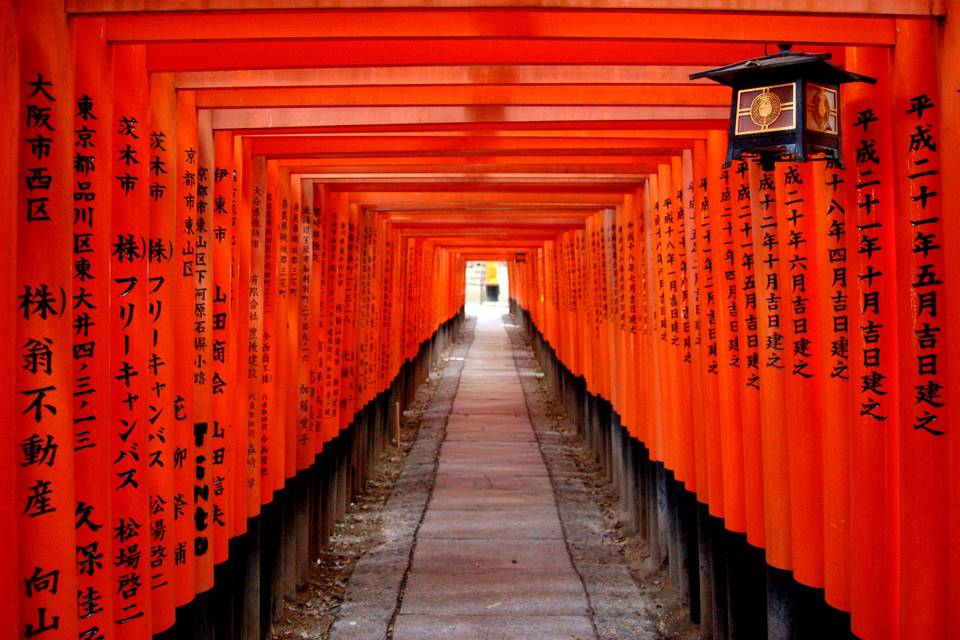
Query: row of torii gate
x=230, y=223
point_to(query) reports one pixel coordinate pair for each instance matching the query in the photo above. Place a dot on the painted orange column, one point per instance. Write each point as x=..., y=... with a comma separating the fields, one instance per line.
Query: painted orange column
x=655, y=238
x=271, y=442
x=348, y=352
x=682, y=175
x=831, y=209
x=286, y=327
x=332, y=300
x=626, y=254
x=184, y=533
x=46, y=573
x=306, y=446
x=285, y=406
x=641, y=334
x=672, y=363
x=574, y=300
x=245, y=442
x=91, y=335
x=252, y=262
x=386, y=308
x=129, y=346
x=749, y=342
x=716, y=232
x=317, y=314
x=801, y=328
x=776, y=457
x=923, y=330
x=610, y=305
x=222, y=343
x=730, y=440
x=873, y=364
x=9, y=181
x=239, y=335
x=948, y=62
x=204, y=427
x=589, y=309
x=700, y=380
x=163, y=280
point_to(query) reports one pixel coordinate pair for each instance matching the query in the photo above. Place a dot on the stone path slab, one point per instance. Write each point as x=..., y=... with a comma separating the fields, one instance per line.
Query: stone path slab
x=490, y=560
x=494, y=535
x=493, y=627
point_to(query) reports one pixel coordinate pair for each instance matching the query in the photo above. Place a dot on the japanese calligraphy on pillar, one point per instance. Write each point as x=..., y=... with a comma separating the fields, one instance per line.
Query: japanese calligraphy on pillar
x=834, y=241
x=305, y=372
x=746, y=280
x=182, y=542
x=254, y=332
x=832, y=236
x=91, y=332
x=130, y=326
x=222, y=342
x=767, y=256
x=207, y=433
x=162, y=272
x=44, y=428
x=927, y=282
x=285, y=350
x=747, y=513
x=795, y=264
x=769, y=259
x=728, y=263
x=871, y=247
x=268, y=338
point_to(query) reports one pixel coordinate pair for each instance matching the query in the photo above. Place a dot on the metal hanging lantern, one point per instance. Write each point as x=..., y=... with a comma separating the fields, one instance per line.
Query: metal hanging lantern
x=785, y=106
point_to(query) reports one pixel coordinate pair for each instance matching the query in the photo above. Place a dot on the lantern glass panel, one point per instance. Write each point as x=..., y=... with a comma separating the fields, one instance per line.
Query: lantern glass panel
x=822, y=109
x=766, y=109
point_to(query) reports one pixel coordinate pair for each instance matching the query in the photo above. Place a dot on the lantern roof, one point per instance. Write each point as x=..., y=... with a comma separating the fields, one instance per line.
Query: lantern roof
x=784, y=66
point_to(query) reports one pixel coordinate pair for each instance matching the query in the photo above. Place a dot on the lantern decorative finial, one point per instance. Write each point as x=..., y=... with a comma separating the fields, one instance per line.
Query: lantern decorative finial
x=786, y=106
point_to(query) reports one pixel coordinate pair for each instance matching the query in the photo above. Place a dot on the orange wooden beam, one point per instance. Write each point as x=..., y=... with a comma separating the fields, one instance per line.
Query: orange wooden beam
x=440, y=75
x=357, y=118
x=362, y=52
x=434, y=95
x=503, y=23
x=748, y=7
x=687, y=128
x=408, y=145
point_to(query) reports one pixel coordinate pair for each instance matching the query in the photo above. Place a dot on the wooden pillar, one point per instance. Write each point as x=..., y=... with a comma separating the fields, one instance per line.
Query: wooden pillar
x=776, y=462
x=832, y=211
x=163, y=280
x=92, y=375
x=873, y=347
x=222, y=343
x=130, y=345
x=9, y=182
x=182, y=543
x=949, y=51
x=923, y=329
x=42, y=384
x=802, y=340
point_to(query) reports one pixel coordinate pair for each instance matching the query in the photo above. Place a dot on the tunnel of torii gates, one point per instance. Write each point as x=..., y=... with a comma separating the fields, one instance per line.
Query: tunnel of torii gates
x=234, y=230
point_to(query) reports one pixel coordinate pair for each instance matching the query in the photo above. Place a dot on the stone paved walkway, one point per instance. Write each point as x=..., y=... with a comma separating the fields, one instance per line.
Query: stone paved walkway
x=490, y=559
x=477, y=545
